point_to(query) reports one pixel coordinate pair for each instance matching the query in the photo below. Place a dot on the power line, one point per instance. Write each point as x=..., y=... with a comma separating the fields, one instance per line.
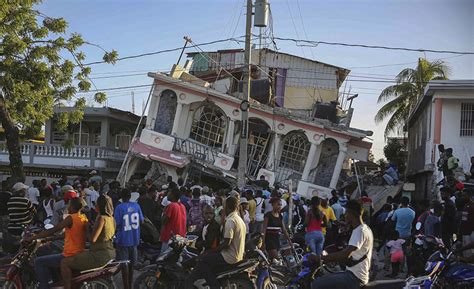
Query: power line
x=316, y=43
x=168, y=50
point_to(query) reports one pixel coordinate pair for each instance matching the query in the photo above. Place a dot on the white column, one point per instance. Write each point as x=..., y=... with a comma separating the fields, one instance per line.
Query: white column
x=274, y=149
x=104, y=132
x=309, y=161
x=337, y=169
x=230, y=138
x=177, y=118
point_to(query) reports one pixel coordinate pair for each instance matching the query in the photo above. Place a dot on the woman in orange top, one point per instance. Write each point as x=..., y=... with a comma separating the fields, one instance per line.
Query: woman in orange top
x=75, y=227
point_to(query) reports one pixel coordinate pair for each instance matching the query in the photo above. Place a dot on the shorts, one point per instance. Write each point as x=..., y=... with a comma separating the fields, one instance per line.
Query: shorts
x=127, y=253
x=396, y=257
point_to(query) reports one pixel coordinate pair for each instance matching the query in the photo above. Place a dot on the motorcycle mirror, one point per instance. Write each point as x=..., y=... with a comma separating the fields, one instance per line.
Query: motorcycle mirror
x=418, y=225
x=48, y=226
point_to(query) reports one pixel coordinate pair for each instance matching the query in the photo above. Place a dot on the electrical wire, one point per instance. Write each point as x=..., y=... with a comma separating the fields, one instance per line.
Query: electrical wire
x=169, y=50
x=316, y=43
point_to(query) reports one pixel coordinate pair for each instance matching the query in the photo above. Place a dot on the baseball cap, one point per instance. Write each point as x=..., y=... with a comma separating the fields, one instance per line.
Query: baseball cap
x=459, y=186
x=19, y=186
x=244, y=201
x=69, y=195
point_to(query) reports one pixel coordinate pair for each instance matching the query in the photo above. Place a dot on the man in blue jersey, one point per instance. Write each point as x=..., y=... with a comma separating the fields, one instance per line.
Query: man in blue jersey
x=128, y=217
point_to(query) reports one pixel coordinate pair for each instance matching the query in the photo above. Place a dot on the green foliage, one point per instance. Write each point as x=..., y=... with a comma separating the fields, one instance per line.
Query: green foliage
x=41, y=66
x=402, y=97
x=395, y=153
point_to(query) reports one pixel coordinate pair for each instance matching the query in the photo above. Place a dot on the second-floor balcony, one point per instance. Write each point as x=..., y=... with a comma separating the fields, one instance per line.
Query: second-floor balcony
x=59, y=156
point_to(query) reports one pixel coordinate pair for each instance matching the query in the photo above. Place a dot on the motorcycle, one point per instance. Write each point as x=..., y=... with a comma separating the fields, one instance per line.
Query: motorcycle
x=310, y=271
x=446, y=272
x=174, y=266
x=20, y=273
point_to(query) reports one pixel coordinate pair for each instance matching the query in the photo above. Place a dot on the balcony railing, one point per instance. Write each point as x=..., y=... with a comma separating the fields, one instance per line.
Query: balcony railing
x=198, y=151
x=58, y=155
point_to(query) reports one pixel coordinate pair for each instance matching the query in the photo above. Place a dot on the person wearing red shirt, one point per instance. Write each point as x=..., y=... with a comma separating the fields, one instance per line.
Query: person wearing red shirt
x=173, y=221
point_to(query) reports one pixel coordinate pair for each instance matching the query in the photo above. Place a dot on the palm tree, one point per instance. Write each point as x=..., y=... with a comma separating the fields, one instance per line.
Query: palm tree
x=403, y=96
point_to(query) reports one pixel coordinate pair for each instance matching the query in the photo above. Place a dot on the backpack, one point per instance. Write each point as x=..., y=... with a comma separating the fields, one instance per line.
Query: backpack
x=195, y=214
x=262, y=202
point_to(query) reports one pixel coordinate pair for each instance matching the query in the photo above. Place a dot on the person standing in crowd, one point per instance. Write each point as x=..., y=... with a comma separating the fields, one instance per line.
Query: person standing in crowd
x=46, y=208
x=206, y=197
x=433, y=221
x=150, y=208
x=329, y=213
x=20, y=210
x=113, y=192
x=185, y=196
x=259, y=211
x=60, y=207
x=229, y=252
x=209, y=239
x=314, y=222
x=299, y=213
x=94, y=177
x=467, y=220
x=442, y=163
x=92, y=194
x=252, y=209
x=404, y=217
x=128, y=219
x=452, y=163
x=244, y=213
x=339, y=210
x=334, y=197
x=173, y=220
x=357, y=255
x=75, y=235
x=101, y=250
x=367, y=205
x=218, y=209
x=448, y=220
x=33, y=193
x=195, y=218
x=396, y=253
x=272, y=227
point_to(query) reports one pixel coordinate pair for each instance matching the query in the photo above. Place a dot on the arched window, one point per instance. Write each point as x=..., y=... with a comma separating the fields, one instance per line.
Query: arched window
x=294, y=151
x=166, y=112
x=209, y=125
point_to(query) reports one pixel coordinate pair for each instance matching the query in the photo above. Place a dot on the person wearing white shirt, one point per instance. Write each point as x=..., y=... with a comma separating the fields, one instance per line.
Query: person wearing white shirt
x=33, y=193
x=339, y=210
x=259, y=212
x=357, y=255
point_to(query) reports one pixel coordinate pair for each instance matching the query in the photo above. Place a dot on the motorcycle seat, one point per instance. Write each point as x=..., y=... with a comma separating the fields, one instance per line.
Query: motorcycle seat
x=386, y=284
x=237, y=267
x=96, y=269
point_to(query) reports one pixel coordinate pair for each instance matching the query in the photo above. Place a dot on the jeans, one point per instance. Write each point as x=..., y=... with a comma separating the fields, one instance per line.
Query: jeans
x=315, y=241
x=43, y=266
x=339, y=280
x=207, y=268
x=127, y=253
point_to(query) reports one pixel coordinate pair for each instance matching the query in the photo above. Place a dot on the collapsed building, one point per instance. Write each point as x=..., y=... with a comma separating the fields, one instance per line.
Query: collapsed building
x=297, y=131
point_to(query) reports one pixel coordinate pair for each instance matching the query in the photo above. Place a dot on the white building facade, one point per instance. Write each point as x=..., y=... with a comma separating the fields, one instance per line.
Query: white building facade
x=190, y=125
x=445, y=115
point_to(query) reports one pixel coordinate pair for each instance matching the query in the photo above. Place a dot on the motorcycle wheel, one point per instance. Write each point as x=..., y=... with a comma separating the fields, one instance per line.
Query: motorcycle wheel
x=147, y=280
x=99, y=283
x=239, y=283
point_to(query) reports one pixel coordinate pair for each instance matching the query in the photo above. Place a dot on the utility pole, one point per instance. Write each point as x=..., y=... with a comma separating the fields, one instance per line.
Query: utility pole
x=133, y=102
x=244, y=105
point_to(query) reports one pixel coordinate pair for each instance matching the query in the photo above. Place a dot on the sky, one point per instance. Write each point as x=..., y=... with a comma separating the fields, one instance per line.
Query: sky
x=135, y=27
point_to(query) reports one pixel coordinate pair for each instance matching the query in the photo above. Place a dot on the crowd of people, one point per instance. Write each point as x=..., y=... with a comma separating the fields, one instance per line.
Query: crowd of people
x=115, y=220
